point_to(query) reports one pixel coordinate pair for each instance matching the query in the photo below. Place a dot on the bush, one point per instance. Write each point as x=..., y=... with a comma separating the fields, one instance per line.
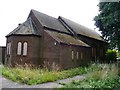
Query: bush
x=111, y=55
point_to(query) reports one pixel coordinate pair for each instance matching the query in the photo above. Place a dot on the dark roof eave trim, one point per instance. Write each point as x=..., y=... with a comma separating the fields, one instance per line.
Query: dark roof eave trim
x=74, y=45
x=2, y=46
x=93, y=38
x=23, y=35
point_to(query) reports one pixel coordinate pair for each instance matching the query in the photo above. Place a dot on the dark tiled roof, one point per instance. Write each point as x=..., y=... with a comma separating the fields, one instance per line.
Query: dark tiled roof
x=26, y=28
x=67, y=39
x=79, y=29
x=49, y=22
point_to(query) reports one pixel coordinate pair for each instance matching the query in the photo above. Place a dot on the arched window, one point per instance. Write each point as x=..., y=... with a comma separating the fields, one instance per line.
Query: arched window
x=19, y=48
x=8, y=48
x=25, y=48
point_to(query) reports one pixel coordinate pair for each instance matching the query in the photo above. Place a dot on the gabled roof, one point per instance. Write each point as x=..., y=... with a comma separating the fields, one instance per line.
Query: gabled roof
x=26, y=28
x=61, y=24
x=67, y=39
x=79, y=29
x=49, y=22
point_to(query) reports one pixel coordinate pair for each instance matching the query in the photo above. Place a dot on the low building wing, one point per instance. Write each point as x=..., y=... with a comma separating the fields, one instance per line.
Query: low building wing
x=67, y=39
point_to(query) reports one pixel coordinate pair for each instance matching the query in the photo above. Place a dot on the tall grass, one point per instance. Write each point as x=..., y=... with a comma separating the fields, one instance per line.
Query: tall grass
x=99, y=76
x=32, y=76
x=102, y=71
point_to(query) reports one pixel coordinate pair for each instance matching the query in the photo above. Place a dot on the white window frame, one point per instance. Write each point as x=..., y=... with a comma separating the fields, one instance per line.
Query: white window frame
x=19, y=48
x=72, y=54
x=25, y=46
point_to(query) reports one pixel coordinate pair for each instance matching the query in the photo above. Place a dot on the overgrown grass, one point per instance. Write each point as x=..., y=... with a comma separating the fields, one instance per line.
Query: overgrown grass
x=32, y=76
x=102, y=76
x=98, y=76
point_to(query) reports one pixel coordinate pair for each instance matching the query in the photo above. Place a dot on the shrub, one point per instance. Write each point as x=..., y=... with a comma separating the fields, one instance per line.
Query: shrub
x=111, y=55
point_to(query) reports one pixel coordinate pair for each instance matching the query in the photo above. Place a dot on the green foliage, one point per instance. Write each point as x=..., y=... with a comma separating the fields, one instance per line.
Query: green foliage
x=104, y=76
x=108, y=22
x=32, y=76
x=111, y=55
x=98, y=76
x=109, y=82
x=118, y=55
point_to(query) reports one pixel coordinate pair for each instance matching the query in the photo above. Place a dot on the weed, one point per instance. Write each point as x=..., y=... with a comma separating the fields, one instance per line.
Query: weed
x=102, y=76
x=32, y=76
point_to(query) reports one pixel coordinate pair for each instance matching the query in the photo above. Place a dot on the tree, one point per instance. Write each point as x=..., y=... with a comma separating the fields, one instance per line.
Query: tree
x=108, y=22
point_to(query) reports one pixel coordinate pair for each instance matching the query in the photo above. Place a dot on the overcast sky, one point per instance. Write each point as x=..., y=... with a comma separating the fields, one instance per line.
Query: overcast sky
x=13, y=12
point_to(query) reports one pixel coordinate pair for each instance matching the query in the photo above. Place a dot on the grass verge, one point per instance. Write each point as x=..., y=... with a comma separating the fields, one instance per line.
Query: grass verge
x=32, y=76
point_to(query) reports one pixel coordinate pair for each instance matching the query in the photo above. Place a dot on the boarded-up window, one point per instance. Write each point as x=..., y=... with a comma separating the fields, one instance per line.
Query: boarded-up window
x=77, y=55
x=8, y=48
x=25, y=48
x=72, y=54
x=19, y=48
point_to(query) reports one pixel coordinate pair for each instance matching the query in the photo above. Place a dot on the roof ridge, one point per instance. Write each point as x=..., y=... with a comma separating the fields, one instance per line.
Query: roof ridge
x=42, y=13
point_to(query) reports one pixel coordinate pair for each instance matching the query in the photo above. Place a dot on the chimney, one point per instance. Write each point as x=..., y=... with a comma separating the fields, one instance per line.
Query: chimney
x=19, y=24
